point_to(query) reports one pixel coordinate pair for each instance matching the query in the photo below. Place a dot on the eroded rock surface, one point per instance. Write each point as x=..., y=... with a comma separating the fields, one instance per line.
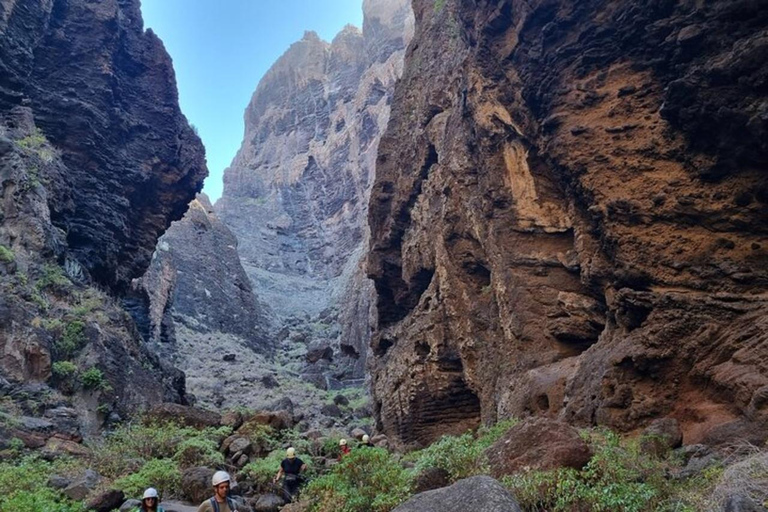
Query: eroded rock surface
x=96, y=160
x=296, y=193
x=568, y=218
x=103, y=92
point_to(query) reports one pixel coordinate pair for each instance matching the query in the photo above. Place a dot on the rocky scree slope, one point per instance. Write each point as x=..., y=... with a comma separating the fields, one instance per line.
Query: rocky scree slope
x=96, y=160
x=568, y=219
x=204, y=316
x=296, y=194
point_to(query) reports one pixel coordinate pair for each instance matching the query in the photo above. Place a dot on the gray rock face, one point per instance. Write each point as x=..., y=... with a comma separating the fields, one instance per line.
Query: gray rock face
x=478, y=493
x=196, y=278
x=296, y=193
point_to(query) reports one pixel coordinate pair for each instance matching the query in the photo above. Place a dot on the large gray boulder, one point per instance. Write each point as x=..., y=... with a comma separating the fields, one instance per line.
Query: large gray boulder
x=478, y=493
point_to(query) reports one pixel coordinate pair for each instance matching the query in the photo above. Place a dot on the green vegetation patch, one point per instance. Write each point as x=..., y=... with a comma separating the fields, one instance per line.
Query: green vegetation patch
x=370, y=480
x=72, y=340
x=23, y=487
x=6, y=255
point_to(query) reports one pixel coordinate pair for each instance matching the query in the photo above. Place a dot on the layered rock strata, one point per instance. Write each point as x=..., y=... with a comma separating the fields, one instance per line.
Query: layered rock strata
x=103, y=92
x=296, y=194
x=568, y=219
x=96, y=160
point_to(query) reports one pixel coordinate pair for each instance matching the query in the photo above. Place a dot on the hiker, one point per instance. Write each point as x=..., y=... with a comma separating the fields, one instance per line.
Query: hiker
x=220, y=501
x=150, y=501
x=291, y=467
x=366, y=442
x=343, y=448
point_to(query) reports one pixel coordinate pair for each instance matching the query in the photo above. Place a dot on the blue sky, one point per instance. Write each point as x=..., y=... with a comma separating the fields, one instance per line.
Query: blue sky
x=220, y=50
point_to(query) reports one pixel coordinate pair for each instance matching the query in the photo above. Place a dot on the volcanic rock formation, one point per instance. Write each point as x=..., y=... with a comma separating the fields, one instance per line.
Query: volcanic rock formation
x=201, y=304
x=96, y=160
x=296, y=194
x=569, y=219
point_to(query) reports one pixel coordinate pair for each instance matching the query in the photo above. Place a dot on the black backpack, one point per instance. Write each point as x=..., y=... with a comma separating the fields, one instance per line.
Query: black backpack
x=230, y=504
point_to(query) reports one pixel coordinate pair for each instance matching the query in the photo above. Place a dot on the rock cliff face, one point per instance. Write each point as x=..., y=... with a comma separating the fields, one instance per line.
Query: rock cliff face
x=103, y=92
x=568, y=218
x=96, y=160
x=201, y=304
x=296, y=193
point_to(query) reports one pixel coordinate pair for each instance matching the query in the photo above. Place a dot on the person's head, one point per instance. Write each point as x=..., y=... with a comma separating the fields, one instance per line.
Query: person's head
x=150, y=498
x=220, y=482
x=343, y=442
x=290, y=453
x=366, y=438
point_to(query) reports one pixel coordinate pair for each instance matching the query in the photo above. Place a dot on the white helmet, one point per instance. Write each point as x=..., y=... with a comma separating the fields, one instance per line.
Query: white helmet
x=151, y=492
x=343, y=442
x=290, y=452
x=220, y=477
x=366, y=438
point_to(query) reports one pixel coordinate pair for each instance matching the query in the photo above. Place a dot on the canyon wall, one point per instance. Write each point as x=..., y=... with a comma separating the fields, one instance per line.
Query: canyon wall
x=96, y=160
x=569, y=219
x=296, y=194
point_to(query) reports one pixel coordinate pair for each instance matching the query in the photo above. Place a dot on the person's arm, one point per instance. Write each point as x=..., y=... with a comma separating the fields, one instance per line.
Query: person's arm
x=303, y=468
x=277, y=476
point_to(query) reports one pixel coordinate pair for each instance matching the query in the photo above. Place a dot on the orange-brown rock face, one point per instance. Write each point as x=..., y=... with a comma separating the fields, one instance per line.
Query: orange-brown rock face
x=568, y=219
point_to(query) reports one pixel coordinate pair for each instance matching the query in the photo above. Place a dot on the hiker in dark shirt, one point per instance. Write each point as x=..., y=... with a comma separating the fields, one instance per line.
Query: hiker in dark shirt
x=291, y=467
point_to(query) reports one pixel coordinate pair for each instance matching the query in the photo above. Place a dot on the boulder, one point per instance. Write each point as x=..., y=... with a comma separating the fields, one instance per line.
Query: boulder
x=81, y=487
x=240, y=444
x=358, y=433
x=478, y=493
x=540, y=444
x=187, y=416
x=662, y=435
x=58, y=482
x=278, y=420
x=318, y=351
x=431, y=478
x=331, y=410
x=232, y=419
x=341, y=400
x=131, y=506
x=196, y=484
x=269, y=381
x=56, y=447
x=268, y=503
x=106, y=501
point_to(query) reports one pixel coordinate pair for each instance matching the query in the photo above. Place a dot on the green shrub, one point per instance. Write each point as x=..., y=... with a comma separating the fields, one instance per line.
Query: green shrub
x=162, y=474
x=64, y=369
x=619, y=477
x=129, y=446
x=198, y=451
x=93, y=378
x=53, y=277
x=458, y=455
x=369, y=480
x=6, y=255
x=23, y=487
x=261, y=471
x=72, y=340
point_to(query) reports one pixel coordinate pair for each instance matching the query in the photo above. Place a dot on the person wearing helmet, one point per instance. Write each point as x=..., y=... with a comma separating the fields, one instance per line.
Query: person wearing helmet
x=343, y=448
x=291, y=467
x=150, y=501
x=366, y=442
x=220, y=501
